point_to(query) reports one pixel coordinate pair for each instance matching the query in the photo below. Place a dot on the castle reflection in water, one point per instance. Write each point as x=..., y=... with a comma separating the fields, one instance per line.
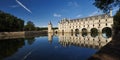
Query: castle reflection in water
x=81, y=40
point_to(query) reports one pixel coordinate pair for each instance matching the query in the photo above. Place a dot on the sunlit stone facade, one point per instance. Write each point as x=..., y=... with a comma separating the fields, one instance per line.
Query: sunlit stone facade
x=99, y=22
x=50, y=30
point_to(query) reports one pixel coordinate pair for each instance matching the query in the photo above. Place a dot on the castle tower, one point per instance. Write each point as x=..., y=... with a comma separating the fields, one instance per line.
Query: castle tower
x=50, y=27
x=110, y=12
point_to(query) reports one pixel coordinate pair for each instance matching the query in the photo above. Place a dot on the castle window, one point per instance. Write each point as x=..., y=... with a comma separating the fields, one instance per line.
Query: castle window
x=106, y=24
x=106, y=16
x=99, y=24
x=88, y=25
x=106, y=19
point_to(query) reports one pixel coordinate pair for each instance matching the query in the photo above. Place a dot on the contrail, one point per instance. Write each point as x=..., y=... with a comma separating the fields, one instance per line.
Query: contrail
x=23, y=6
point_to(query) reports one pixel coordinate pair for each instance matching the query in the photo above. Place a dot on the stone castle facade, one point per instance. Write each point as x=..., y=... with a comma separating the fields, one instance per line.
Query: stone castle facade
x=50, y=28
x=99, y=22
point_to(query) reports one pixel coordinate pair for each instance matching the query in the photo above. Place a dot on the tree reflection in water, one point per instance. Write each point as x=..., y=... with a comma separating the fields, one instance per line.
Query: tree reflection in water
x=30, y=40
x=10, y=46
x=84, y=34
x=94, y=32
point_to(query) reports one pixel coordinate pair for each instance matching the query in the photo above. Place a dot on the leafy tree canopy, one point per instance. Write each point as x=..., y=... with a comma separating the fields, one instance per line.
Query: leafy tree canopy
x=117, y=20
x=29, y=26
x=9, y=22
x=106, y=5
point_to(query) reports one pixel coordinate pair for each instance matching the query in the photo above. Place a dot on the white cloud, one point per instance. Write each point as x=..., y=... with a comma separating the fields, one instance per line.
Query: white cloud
x=75, y=4
x=56, y=15
x=43, y=26
x=78, y=16
x=23, y=6
x=94, y=13
x=14, y=6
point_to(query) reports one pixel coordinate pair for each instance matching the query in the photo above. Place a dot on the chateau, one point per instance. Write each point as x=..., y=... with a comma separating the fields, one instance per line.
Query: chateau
x=98, y=22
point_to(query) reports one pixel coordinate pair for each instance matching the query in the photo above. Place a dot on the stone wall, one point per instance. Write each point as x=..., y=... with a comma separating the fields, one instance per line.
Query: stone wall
x=22, y=34
x=12, y=33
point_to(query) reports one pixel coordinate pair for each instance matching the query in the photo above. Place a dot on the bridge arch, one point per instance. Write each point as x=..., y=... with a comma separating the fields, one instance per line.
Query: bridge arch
x=107, y=32
x=94, y=32
x=84, y=30
x=62, y=31
x=76, y=30
x=71, y=30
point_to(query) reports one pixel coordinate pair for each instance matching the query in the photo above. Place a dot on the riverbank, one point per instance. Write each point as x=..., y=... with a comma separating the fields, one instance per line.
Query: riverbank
x=21, y=34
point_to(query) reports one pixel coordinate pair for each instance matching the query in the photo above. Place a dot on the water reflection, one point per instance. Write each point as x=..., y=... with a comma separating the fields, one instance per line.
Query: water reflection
x=85, y=40
x=10, y=46
x=94, y=34
x=107, y=32
x=111, y=51
x=106, y=35
x=30, y=40
x=84, y=34
x=50, y=37
x=38, y=48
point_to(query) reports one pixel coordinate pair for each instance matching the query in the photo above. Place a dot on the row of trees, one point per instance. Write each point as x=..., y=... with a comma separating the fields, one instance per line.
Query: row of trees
x=31, y=27
x=10, y=23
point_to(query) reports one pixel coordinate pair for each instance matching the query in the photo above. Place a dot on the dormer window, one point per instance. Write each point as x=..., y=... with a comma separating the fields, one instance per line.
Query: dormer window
x=106, y=16
x=106, y=19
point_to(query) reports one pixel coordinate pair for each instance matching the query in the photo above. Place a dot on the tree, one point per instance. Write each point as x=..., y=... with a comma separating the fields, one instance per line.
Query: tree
x=9, y=22
x=117, y=21
x=106, y=5
x=30, y=26
x=37, y=28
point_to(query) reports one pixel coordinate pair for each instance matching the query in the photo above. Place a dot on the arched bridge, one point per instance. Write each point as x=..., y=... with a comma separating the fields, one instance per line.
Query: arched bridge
x=88, y=24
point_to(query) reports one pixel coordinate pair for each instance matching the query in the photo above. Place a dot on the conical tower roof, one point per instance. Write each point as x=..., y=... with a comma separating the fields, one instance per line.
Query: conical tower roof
x=50, y=23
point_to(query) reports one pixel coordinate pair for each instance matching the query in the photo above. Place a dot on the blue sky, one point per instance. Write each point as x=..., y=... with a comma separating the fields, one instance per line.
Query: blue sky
x=40, y=12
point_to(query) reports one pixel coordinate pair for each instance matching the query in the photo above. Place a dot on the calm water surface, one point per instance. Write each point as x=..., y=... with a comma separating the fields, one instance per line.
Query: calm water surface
x=52, y=47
